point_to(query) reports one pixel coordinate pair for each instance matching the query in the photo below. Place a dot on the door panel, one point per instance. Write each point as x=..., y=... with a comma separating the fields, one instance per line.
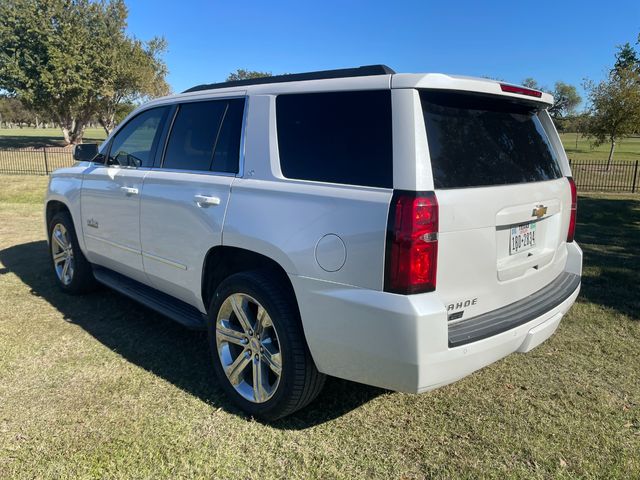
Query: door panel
x=111, y=216
x=110, y=198
x=181, y=219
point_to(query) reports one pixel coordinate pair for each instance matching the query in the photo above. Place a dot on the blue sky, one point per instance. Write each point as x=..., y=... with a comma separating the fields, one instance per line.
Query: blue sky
x=559, y=40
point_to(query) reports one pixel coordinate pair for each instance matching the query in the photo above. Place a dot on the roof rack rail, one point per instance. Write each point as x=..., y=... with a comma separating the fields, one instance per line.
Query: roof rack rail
x=364, y=71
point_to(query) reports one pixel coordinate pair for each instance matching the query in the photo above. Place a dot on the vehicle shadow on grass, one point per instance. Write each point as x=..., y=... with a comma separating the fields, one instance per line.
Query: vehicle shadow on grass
x=159, y=345
x=608, y=230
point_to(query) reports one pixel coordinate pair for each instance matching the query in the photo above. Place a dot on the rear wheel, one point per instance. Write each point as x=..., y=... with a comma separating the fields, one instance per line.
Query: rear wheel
x=259, y=353
x=72, y=270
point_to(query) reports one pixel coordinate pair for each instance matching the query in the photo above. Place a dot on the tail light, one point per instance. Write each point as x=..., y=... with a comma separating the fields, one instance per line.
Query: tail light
x=412, y=243
x=574, y=208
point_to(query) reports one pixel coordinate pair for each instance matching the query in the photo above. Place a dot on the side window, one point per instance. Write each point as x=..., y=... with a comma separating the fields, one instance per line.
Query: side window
x=193, y=136
x=133, y=145
x=337, y=137
x=227, y=155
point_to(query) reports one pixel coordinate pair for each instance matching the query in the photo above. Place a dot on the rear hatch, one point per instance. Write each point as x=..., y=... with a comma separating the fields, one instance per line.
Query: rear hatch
x=504, y=204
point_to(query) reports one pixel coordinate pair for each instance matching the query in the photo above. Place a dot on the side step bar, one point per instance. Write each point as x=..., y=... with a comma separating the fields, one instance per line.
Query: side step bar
x=518, y=313
x=173, y=308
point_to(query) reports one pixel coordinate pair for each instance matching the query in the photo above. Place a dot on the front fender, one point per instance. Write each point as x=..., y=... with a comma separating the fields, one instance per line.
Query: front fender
x=65, y=186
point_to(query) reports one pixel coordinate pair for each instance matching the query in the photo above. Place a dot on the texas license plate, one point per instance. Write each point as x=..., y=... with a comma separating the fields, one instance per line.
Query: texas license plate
x=523, y=237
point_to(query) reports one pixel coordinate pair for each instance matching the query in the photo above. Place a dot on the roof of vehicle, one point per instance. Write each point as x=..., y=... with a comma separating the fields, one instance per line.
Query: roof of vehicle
x=368, y=77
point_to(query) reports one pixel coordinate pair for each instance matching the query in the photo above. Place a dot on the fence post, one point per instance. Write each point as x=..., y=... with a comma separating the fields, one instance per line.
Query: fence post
x=46, y=163
x=635, y=177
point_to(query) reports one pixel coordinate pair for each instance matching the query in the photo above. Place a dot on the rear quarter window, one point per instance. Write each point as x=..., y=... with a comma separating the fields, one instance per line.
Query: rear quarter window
x=336, y=137
x=482, y=140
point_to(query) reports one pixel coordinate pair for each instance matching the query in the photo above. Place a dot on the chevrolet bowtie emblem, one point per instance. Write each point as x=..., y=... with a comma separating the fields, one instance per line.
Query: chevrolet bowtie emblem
x=539, y=211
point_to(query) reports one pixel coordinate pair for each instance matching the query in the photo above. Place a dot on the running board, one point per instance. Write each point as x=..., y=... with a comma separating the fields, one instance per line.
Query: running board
x=173, y=308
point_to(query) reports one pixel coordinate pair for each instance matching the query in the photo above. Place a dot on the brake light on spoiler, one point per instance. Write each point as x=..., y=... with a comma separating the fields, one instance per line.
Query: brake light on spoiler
x=520, y=90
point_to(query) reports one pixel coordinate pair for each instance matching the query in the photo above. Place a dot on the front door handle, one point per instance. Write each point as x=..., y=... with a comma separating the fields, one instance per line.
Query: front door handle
x=203, y=200
x=129, y=190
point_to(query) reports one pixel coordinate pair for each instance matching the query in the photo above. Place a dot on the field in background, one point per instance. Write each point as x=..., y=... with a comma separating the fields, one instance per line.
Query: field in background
x=97, y=386
x=627, y=149
x=42, y=137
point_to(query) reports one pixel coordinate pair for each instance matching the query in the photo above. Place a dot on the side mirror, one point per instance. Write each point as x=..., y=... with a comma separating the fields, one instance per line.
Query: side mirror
x=85, y=152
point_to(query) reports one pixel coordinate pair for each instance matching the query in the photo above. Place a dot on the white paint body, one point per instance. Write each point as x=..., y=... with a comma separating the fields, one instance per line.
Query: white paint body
x=355, y=330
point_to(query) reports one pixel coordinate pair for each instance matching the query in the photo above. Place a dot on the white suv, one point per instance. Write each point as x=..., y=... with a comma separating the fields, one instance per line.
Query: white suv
x=399, y=230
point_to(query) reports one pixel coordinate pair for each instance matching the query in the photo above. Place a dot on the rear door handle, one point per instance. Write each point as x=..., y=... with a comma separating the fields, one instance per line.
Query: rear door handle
x=204, y=200
x=129, y=190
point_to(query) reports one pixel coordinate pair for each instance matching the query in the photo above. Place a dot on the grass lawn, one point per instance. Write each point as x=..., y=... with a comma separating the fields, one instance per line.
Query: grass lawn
x=99, y=387
x=39, y=137
x=626, y=149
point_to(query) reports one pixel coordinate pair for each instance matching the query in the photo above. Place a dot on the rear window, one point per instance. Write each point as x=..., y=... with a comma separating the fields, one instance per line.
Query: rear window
x=336, y=137
x=477, y=140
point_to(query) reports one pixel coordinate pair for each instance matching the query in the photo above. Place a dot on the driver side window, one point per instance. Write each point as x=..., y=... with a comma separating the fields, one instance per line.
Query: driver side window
x=133, y=146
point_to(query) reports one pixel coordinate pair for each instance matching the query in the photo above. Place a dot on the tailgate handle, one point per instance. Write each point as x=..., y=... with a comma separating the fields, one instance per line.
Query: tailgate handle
x=204, y=200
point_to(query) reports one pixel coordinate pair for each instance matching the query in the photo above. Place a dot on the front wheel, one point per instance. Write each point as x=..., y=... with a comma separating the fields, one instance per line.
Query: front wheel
x=259, y=353
x=73, y=271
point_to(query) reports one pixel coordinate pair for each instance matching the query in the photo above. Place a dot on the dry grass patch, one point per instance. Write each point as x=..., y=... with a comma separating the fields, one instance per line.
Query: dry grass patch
x=99, y=387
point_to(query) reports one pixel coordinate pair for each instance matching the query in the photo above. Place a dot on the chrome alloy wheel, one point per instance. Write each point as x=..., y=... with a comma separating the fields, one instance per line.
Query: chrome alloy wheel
x=62, y=253
x=248, y=347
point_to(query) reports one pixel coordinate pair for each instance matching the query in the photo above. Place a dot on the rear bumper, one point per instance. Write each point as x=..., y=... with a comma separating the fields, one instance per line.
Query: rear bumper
x=403, y=342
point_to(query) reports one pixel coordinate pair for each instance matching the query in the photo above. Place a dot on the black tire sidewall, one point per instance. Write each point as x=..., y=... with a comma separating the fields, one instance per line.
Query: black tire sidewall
x=282, y=314
x=82, y=276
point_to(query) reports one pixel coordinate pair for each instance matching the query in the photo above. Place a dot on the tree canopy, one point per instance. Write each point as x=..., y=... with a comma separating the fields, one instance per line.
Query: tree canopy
x=615, y=107
x=565, y=100
x=565, y=97
x=627, y=58
x=242, y=74
x=73, y=61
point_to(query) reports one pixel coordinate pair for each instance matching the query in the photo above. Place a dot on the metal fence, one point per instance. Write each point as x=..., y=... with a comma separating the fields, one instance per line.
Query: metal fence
x=595, y=176
x=34, y=161
x=621, y=176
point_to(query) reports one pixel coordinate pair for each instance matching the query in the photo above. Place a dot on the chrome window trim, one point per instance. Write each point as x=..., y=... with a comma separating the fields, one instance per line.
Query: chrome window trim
x=198, y=172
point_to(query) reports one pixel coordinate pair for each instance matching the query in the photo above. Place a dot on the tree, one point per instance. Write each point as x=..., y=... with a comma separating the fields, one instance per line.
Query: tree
x=138, y=75
x=13, y=111
x=615, y=108
x=65, y=58
x=242, y=74
x=531, y=83
x=565, y=100
x=626, y=58
x=578, y=124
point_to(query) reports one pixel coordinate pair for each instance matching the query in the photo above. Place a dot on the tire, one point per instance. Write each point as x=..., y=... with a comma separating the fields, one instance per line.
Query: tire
x=257, y=354
x=78, y=277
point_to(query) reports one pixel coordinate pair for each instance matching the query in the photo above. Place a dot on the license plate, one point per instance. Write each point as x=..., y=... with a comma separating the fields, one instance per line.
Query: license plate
x=523, y=237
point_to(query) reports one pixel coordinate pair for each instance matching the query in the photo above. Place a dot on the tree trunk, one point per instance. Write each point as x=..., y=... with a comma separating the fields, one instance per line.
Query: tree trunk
x=72, y=130
x=577, y=140
x=108, y=122
x=613, y=147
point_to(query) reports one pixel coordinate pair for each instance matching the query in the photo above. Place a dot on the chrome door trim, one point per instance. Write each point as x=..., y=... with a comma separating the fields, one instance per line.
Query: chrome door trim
x=113, y=244
x=166, y=261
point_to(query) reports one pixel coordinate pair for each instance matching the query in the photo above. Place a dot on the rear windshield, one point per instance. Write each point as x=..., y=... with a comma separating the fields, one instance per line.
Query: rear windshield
x=477, y=140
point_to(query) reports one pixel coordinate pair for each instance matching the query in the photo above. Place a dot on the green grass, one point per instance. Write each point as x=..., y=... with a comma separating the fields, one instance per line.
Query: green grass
x=39, y=137
x=626, y=149
x=97, y=386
